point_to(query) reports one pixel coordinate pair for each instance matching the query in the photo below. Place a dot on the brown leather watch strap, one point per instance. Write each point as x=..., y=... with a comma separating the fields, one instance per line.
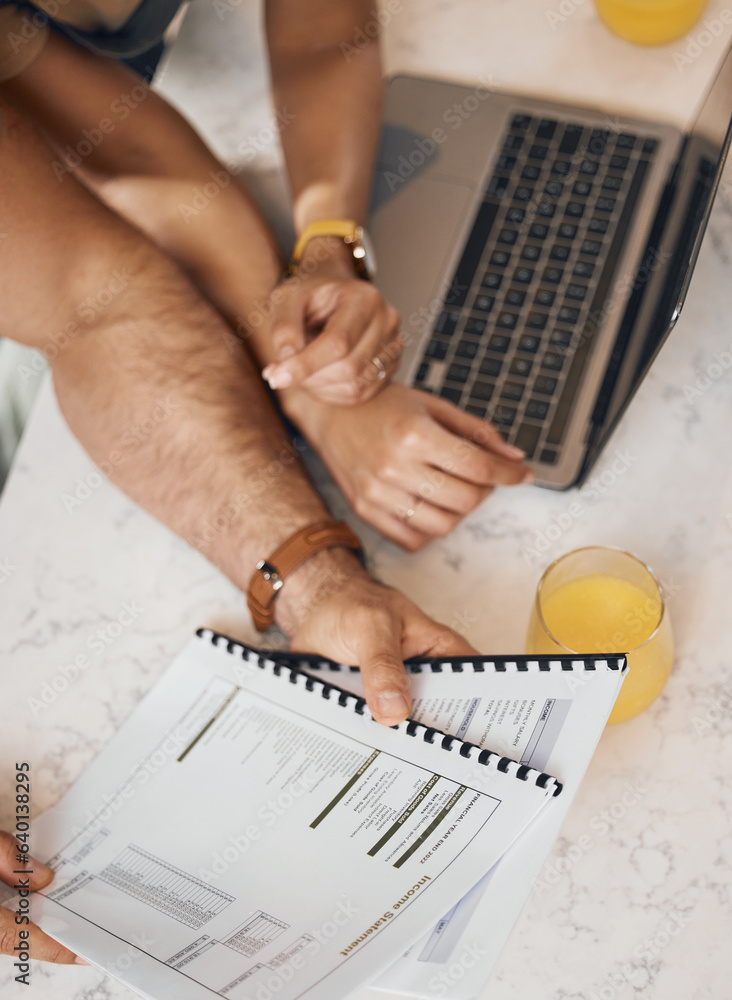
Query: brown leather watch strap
x=271, y=573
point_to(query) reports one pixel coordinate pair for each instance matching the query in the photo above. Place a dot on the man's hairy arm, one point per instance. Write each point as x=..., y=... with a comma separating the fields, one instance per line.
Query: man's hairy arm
x=156, y=344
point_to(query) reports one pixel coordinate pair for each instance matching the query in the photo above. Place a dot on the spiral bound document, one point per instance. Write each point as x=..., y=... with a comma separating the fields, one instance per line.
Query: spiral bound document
x=251, y=832
x=546, y=713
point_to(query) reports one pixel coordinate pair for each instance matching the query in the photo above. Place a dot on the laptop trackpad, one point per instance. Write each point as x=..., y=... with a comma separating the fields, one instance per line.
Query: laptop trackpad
x=415, y=234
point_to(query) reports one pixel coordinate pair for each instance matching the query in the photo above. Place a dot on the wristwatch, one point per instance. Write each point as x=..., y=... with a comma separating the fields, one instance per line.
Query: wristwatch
x=354, y=236
x=270, y=574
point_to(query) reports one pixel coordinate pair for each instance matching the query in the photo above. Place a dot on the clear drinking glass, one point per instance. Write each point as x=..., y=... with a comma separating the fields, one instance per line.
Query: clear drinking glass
x=650, y=22
x=597, y=601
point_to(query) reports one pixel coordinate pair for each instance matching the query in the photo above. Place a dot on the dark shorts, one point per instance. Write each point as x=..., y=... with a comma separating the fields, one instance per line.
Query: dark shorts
x=138, y=43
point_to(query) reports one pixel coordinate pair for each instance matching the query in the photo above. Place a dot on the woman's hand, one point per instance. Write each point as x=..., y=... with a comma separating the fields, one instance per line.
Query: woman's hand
x=331, y=332
x=13, y=934
x=410, y=464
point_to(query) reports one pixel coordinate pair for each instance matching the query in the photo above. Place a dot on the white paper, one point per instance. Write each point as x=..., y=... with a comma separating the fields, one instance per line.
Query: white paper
x=247, y=837
x=550, y=719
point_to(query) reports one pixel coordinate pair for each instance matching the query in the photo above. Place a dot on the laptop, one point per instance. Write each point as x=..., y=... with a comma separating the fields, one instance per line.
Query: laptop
x=539, y=253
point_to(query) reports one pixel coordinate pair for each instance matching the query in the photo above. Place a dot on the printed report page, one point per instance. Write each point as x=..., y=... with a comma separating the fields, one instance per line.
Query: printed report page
x=244, y=836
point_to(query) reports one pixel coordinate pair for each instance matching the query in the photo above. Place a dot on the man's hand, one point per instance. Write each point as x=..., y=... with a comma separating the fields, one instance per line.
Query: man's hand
x=410, y=464
x=332, y=607
x=41, y=946
x=331, y=332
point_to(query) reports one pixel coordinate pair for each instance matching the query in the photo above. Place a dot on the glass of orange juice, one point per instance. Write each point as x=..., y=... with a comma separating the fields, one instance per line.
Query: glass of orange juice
x=598, y=601
x=650, y=22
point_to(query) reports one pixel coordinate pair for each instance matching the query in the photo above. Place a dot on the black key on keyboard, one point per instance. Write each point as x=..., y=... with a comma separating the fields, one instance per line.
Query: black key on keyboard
x=598, y=141
x=530, y=172
x=514, y=297
x=575, y=209
x=537, y=321
x=508, y=236
x=477, y=411
x=568, y=315
x=597, y=226
x=570, y=139
x=625, y=141
x=545, y=384
x=523, y=193
x=559, y=252
x=546, y=209
x=567, y=231
x=491, y=367
x=561, y=167
x=554, y=189
x=500, y=258
x=505, y=163
x=491, y=280
x=527, y=438
x=531, y=252
x=482, y=391
x=544, y=297
x=552, y=361
x=576, y=292
x=436, y=349
x=504, y=416
x=467, y=349
x=499, y=343
x=422, y=372
x=521, y=366
x=538, y=231
x=507, y=320
x=583, y=270
x=523, y=275
x=546, y=128
x=446, y=323
x=513, y=142
x=582, y=188
x=515, y=215
x=452, y=394
x=536, y=409
x=588, y=167
x=605, y=205
x=618, y=162
x=513, y=391
x=561, y=338
x=528, y=343
x=553, y=275
x=549, y=456
x=649, y=146
x=474, y=327
x=458, y=373
x=612, y=183
x=497, y=187
x=592, y=247
x=520, y=122
x=483, y=303
x=473, y=251
x=538, y=152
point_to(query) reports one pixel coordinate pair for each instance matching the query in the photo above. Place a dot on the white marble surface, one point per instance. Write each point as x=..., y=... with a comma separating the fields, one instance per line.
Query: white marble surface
x=66, y=575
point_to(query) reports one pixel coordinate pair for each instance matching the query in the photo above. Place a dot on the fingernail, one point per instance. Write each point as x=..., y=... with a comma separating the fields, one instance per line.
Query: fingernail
x=514, y=452
x=40, y=870
x=287, y=351
x=393, y=706
x=528, y=478
x=81, y=961
x=278, y=379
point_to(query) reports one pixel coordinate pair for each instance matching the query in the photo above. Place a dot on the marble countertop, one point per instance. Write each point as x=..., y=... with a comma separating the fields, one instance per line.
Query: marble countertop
x=659, y=858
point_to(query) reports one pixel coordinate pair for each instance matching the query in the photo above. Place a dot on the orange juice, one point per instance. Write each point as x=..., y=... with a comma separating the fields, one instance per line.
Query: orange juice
x=601, y=613
x=650, y=22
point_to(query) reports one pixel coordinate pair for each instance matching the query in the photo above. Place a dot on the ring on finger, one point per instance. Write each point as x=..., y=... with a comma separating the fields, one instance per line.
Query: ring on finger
x=411, y=510
x=380, y=368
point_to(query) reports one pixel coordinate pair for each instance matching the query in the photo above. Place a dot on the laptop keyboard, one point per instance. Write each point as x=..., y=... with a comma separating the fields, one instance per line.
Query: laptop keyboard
x=517, y=323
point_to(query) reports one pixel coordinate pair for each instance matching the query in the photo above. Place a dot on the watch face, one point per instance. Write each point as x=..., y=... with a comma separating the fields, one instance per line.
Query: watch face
x=366, y=259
